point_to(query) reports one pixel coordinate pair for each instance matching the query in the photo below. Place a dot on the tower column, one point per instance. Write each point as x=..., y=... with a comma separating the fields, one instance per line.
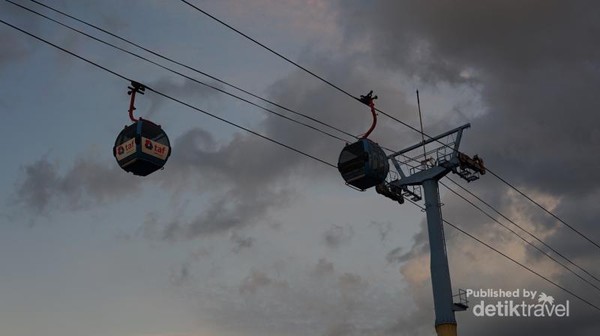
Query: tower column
x=445, y=322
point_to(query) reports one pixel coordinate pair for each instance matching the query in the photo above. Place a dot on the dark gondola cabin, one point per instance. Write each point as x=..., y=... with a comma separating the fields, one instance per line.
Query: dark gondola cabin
x=142, y=148
x=363, y=164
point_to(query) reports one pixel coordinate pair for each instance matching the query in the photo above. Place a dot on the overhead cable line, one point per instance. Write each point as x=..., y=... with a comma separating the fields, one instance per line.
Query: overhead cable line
x=170, y=97
x=378, y=110
x=244, y=128
x=235, y=96
x=192, y=69
x=513, y=260
x=543, y=208
x=225, y=92
x=188, y=105
x=515, y=224
x=177, y=72
x=274, y=141
x=65, y=50
x=137, y=45
x=287, y=59
x=268, y=48
x=525, y=240
x=294, y=63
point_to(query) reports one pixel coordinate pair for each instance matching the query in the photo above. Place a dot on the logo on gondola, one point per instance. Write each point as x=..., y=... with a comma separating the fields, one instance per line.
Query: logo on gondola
x=148, y=144
x=120, y=150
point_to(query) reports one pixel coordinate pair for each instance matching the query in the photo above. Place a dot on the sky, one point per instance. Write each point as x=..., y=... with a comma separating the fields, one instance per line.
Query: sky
x=238, y=236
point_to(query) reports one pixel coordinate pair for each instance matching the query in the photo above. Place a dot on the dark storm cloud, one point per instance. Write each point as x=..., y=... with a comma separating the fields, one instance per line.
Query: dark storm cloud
x=536, y=64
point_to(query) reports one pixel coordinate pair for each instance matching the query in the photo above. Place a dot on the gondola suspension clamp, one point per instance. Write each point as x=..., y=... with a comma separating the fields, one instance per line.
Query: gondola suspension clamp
x=368, y=100
x=134, y=88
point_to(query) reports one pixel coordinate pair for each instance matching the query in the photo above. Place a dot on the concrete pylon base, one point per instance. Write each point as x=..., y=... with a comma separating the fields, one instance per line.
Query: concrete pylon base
x=448, y=329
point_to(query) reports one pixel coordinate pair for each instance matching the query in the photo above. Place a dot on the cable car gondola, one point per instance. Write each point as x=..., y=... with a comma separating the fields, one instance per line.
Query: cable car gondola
x=363, y=164
x=142, y=147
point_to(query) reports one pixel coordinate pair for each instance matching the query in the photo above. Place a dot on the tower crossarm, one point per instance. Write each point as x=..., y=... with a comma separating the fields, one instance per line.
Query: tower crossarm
x=437, y=161
x=457, y=130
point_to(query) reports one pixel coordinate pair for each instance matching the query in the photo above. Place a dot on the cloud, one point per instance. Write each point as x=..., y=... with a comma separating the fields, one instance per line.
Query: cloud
x=36, y=189
x=535, y=66
x=257, y=280
x=341, y=329
x=337, y=235
x=182, y=87
x=240, y=242
x=430, y=44
x=323, y=268
x=247, y=176
x=474, y=266
x=317, y=299
x=532, y=65
x=20, y=48
x=181, y=275
x=396, y=256
x=17, y=51
x=228, y=211
x=307, y=20
x=383, y=228
x=44, y=188
x=246, y=195
x=238, y=197
x=534, y=61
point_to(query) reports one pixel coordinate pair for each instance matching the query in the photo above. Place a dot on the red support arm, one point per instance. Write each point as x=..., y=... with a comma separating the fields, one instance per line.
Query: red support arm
x=133, y=89
x=372, y=106
x=131, y=107
x=369, y=101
